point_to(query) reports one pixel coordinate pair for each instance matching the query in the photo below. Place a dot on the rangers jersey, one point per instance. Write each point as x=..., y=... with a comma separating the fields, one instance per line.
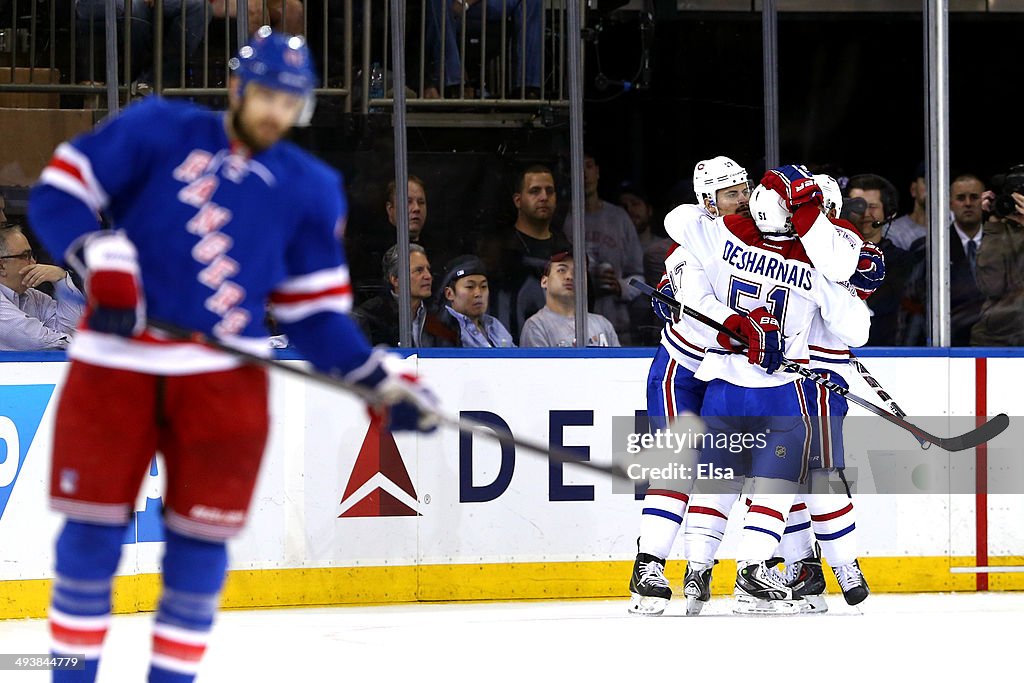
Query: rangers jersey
x=219, y=234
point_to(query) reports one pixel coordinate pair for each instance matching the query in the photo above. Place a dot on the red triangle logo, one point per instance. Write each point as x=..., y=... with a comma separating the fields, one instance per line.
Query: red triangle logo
x=379, y=453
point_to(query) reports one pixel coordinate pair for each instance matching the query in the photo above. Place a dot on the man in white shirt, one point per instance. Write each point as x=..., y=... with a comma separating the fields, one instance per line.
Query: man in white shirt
x=31, y=320
x=555, y=324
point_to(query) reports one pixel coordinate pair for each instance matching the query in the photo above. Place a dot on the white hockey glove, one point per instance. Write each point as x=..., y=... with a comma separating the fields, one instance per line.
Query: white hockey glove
x=405, y=403
x=113, y=283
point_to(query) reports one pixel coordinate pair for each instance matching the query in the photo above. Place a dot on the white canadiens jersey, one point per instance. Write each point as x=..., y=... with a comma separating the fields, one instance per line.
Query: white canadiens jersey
x=686, y=340
x=746, y=271
x=837, y=245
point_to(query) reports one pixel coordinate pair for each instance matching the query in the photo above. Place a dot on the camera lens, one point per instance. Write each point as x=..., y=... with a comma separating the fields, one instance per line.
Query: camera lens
x=1003, y=205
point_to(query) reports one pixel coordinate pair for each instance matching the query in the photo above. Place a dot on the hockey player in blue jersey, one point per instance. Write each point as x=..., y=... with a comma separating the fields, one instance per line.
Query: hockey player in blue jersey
x=214, y=217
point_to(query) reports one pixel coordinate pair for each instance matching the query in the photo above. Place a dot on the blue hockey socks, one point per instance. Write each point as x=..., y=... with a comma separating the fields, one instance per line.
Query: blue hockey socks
x=79, y=615
x=193, y=574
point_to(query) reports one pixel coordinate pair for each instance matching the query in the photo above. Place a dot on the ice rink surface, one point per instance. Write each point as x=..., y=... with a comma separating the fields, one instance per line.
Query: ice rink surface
x=933, y=637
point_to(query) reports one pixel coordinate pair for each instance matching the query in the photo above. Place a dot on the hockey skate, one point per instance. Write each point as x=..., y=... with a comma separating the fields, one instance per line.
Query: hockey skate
x=807, y=580
x=761, y=591
x=852, y=581
x=697, y=586
x=648, y=588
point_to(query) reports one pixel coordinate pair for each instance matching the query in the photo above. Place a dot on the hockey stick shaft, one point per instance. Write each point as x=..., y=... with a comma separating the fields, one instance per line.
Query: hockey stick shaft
x=462, y=423
x=975, y=437
x=880, y=391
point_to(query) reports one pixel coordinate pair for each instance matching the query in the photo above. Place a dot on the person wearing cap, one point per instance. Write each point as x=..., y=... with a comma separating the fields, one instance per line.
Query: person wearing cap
x=467, y=293
x=555, y=324
x=218, y=216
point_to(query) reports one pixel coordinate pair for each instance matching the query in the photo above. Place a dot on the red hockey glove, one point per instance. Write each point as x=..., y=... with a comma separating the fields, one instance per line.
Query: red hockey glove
x=870, y=271
x=737, y=324
x=805, y=191
x=765, y=345
x=114, y=290
x=764, y=339
x=397, y=395
x=795, y=185
x=665, y=312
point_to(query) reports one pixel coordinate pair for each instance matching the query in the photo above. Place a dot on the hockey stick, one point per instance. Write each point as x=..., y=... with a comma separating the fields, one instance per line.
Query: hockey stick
x=888, y=400
x=971, y=439
x=462, y=423
x=870, y=380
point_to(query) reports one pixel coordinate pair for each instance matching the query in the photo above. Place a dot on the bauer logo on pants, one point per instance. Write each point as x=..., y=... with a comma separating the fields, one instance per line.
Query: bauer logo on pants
x=379, y=485
x=21, y=411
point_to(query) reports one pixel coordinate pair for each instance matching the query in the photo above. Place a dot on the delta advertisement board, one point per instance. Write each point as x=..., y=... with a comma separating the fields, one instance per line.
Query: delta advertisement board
x=334, y=492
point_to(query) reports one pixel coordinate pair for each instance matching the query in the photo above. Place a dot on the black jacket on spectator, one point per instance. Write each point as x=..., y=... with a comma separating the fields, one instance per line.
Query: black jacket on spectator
x=378, y=318
x=965, y=299
x=886, y=301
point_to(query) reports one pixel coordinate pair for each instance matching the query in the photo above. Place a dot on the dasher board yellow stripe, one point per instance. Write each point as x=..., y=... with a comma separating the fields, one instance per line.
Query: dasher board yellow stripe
x=264, y=588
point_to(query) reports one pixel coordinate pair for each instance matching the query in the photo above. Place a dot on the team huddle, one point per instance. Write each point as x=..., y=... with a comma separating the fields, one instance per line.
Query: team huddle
x=777, y=268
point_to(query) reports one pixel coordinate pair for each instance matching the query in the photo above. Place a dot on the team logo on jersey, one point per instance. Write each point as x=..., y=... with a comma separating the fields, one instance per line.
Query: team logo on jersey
x=379, y=485
x=21, y=411
x=780, y=451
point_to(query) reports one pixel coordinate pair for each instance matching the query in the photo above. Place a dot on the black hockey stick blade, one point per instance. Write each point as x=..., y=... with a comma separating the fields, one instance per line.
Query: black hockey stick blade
x=971, y=439
x=974, y=438
x=462, y=423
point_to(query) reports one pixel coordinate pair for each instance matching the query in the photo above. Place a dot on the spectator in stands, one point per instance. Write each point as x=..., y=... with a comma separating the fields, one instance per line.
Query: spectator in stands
x=910, y=227
x=654, y=243
x=966, y=193
x=280, y=15
x=646, y=326
x=613, y=252
x=445, y=17
x=463, y=320
x=90, y=18
x=417, y=207
x=31, y=320
x=965, y=240
x=878, y=209
x=378, y=317
x=555, y=324
x=371, y=240
x=1000, y=277
x=523, y=252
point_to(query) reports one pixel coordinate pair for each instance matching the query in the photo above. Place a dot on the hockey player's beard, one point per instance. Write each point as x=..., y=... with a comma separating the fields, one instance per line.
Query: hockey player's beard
x=245, y=136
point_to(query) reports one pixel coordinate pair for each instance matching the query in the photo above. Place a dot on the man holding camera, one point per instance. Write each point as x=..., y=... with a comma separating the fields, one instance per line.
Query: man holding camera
x=999, y=270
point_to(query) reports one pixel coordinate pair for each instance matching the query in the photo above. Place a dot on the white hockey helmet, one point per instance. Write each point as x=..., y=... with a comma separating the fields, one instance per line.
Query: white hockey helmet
x=833, y=195
x=769, y=212
x=712, y=175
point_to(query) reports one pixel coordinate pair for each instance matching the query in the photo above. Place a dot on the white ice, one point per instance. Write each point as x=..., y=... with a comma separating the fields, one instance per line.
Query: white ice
x=931, y=637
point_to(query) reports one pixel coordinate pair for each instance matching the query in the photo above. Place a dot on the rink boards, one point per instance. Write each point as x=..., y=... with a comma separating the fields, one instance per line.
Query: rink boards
x=340, y=517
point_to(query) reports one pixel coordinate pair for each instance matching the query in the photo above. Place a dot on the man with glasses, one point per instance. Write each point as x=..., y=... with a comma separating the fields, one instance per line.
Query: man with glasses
x=31, y=320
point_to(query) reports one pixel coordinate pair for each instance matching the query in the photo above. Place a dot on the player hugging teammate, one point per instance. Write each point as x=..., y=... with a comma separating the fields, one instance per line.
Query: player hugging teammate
x=789, y=278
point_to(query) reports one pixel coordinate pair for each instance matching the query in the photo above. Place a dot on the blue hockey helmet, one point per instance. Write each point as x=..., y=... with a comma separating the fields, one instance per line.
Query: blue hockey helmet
x=276, y=60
